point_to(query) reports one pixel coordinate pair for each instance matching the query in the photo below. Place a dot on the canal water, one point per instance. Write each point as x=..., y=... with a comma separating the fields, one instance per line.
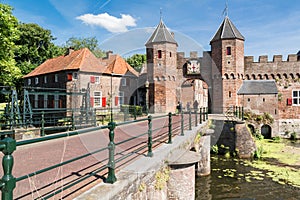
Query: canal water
x=231, y=179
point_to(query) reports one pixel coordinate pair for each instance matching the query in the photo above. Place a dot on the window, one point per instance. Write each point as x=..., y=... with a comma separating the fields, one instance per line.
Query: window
x=296, y=98
x=56, y=78
x=75, y=75
x=97, y=99
x=123, y=82
x=45, y=100
x=248, y=99
x=228, y=51
x=170, y=54
x=29, y=81
x=56, y=100
x=36, y=80
x=97, y=79
x=121, y=98
x=159, y=54
x=45, y=79
x=229, y=94
x=36, y=100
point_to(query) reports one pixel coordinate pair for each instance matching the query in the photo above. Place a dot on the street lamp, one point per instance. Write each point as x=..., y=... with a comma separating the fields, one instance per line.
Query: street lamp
x=147, y=95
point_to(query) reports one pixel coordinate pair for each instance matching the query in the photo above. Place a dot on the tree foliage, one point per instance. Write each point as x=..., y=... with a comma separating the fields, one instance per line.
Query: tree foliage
x=8, y=35
x=136, y=61
x=35, y=46
x=91, y=43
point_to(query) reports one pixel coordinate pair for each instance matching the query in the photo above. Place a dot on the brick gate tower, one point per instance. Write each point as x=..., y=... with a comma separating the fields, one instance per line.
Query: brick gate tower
x=161, y=50
x=227, y=52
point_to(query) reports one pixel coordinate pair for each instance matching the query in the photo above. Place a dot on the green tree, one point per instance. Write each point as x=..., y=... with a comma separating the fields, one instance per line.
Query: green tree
x=91, y=43
x=8, y=36
x=136, y=61
x=35, y=46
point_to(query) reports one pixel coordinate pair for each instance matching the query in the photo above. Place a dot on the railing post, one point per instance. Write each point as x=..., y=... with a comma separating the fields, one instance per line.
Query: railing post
x=190, y=120
x=42, y=133
x=204, y=114
x=182, y=124
x=236, y=111
x=200, y=115
x=196, y=117
x=8, y=181
x=95, y=117
x=73, y=121
x=150, y=153
x=242, y=113
x=134, y=113
x=239, y=116
x=126, y=111
x=170, y=128
x=111, y=178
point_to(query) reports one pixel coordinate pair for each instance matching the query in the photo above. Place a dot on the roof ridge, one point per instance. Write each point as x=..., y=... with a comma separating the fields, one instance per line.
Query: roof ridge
x=73, y=60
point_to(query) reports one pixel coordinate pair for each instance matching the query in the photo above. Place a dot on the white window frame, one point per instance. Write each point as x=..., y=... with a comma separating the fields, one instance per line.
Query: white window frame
x=296, y=97
x=97, y=79
x=36, y=100
x=29, y=81
x=97, y=99
x=45, y=101
x=123, y=82
x=36, y=80
x=45, y=79
x=56, y=100
x=56, y=78
x=121, y=98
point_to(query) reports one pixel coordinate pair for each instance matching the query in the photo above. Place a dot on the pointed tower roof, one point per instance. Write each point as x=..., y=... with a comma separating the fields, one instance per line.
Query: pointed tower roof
x=161, y=34
x=227, y=30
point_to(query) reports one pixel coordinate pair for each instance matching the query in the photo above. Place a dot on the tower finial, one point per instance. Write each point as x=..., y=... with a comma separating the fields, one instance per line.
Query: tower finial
x=160, y=12
x=225, y=11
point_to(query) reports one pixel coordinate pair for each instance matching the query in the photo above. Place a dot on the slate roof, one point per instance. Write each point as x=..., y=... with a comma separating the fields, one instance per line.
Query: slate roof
x=258, y=87
x=82, y=59
x=227, y=30
x=117, y=65
x=161, y=34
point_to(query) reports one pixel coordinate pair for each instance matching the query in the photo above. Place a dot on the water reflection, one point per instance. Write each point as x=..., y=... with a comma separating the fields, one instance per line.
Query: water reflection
x=231, y=179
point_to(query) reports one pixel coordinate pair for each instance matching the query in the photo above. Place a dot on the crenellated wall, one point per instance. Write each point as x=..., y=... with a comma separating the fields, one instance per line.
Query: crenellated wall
x=275, y=69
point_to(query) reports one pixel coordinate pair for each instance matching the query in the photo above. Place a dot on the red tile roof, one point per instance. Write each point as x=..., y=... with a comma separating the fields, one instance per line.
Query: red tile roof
x=117, y=65
x=83, y=60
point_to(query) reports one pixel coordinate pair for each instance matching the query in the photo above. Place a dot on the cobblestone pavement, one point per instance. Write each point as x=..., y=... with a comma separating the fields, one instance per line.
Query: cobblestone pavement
x=34, y=157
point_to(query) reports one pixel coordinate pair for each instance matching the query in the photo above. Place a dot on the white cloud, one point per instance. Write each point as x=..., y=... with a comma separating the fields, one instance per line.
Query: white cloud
x=110, y=23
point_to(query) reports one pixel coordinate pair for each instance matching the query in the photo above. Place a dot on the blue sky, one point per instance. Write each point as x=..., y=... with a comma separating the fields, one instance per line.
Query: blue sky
x=123, y=26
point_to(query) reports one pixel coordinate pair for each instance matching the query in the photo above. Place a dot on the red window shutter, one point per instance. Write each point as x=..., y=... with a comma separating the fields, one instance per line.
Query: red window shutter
x=289, y=101
x=69, y=76
x=92, y=79
x=103, y=101
x=116, y=101
x=92, y=101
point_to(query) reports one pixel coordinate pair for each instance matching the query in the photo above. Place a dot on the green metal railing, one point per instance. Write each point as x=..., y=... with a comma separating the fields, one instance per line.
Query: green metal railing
x=174, y=125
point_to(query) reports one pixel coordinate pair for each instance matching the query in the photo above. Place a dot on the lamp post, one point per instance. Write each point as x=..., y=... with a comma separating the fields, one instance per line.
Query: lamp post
x=147, y=95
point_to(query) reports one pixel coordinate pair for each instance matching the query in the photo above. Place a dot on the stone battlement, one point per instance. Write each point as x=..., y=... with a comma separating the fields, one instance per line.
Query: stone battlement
x=276, y=58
